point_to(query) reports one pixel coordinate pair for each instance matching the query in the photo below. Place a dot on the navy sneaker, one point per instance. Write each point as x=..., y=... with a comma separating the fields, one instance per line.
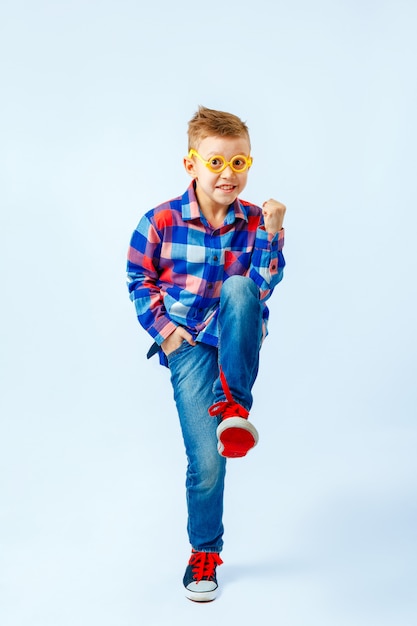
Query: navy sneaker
x=200, y=580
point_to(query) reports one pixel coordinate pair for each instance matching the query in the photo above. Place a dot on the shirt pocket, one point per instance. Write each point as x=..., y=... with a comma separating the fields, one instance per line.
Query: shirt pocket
x=236, y=263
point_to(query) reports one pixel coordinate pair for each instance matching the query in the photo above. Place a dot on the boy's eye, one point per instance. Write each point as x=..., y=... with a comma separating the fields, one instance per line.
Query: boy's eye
x=216, y=163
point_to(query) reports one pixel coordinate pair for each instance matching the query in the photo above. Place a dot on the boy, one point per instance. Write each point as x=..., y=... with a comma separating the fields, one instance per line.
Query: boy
x=200, y=269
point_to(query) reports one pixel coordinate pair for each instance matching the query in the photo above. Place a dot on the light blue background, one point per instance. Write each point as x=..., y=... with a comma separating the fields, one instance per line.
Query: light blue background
x=321, y=517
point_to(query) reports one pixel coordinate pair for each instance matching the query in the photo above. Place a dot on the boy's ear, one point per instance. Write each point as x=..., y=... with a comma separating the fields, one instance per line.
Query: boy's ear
x=190, y=167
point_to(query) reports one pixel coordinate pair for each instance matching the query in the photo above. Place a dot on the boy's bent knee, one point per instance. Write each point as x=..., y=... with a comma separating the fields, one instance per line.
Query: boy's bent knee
x=239, y=286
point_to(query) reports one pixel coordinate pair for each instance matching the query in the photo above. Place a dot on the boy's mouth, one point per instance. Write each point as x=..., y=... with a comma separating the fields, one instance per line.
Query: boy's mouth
x=226, y=187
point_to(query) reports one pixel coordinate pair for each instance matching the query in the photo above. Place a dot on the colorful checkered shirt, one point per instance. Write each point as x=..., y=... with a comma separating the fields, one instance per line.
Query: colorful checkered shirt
x=177, y=264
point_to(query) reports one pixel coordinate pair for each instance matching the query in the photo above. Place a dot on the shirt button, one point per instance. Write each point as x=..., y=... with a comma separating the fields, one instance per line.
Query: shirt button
x=215, y=258
x=210, y=286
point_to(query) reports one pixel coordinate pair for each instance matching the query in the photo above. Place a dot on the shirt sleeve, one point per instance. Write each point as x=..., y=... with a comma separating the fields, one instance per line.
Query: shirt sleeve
x=267, y=264
x=142, y=274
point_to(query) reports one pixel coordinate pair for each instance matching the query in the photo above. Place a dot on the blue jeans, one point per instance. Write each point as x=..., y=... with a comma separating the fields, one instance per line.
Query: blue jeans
x=196, y=383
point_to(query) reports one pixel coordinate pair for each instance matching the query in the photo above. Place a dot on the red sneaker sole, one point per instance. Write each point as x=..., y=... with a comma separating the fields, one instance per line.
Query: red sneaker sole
x=236, y=437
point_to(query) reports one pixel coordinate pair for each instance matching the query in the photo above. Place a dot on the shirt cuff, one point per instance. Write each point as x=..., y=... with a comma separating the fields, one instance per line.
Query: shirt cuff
x=269, y=241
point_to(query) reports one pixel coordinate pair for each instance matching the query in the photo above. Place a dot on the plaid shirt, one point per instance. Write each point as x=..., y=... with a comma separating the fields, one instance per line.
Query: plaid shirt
x=177, y=264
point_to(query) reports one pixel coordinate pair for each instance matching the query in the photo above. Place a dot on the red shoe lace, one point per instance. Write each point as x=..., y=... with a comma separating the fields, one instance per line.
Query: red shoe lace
x=204, y=564
x=228, y=407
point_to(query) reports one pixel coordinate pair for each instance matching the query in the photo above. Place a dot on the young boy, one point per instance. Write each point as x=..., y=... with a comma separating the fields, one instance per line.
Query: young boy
x=200, y=269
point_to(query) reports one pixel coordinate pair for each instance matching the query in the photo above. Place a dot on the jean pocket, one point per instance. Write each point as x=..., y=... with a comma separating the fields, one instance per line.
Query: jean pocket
x=181, y=348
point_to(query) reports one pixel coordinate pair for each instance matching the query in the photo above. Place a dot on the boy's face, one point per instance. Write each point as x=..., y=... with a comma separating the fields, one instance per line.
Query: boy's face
x=217, y=190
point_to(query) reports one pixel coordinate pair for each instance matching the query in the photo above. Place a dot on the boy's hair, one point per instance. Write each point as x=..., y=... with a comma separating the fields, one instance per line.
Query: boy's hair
x=208, y=123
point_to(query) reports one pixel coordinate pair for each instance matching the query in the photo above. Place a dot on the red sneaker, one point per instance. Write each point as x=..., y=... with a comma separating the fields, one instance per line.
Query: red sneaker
x=200, y=580
x=235, y=434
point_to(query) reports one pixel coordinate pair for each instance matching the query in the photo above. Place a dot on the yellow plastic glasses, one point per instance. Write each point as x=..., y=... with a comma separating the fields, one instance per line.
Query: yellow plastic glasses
x=217, y=163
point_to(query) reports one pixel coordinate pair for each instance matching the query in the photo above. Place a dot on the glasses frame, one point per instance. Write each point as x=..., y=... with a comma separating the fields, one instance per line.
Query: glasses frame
x=248, y=160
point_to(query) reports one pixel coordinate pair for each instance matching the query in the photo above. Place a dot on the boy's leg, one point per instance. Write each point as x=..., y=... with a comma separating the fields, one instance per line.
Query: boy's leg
x=240, y=334
x=193, y=372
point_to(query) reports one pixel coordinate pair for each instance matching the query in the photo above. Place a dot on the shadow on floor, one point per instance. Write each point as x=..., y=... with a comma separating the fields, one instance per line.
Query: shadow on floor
x=274, y=568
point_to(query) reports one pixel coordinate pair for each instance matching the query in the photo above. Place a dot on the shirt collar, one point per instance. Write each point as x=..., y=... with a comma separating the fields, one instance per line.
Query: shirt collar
x=191, y=209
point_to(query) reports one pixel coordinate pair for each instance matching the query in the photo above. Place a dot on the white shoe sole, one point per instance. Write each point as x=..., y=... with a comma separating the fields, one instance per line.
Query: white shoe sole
x=201, y=596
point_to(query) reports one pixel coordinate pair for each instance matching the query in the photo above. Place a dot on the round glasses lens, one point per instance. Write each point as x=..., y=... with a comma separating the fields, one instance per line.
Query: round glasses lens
x=216, y=163
x=239, y=163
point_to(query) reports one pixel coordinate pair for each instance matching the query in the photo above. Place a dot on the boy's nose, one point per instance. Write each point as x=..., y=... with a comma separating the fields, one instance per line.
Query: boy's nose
x=227, y=172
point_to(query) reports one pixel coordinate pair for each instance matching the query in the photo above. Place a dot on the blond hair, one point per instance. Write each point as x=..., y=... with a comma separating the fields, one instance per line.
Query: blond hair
x=208, y=123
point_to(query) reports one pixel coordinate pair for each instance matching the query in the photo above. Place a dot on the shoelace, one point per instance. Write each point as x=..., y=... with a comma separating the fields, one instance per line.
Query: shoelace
x=228, y=407
x=204, y=564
